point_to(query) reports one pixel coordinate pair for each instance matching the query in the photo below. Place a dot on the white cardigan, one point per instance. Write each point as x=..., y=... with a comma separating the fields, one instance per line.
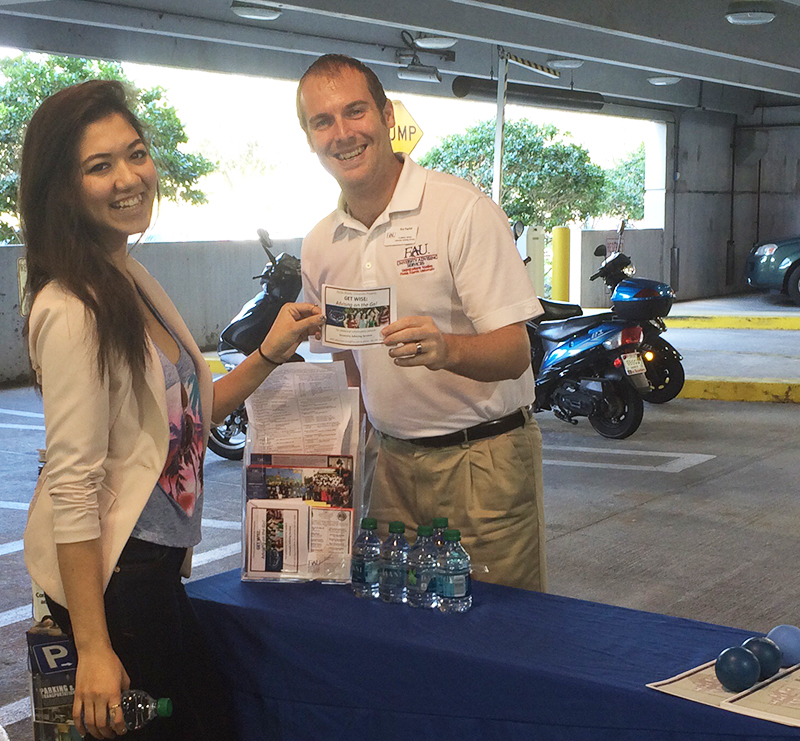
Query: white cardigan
x=107, y=438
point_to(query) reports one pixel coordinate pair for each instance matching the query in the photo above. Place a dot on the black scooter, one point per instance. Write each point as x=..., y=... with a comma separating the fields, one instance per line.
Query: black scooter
x=280, y=284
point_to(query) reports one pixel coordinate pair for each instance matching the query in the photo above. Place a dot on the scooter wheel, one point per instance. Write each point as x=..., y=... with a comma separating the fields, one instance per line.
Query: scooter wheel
x=228, y=439
x=620, y=413
x=666, y=375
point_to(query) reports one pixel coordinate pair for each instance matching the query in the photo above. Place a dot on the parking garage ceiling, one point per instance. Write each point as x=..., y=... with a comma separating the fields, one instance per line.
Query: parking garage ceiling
x=621, y=44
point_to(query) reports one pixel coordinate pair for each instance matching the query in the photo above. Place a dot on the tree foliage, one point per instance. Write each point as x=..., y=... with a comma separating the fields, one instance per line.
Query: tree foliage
x=26, y=80
x=546, y=181
x=623, y=195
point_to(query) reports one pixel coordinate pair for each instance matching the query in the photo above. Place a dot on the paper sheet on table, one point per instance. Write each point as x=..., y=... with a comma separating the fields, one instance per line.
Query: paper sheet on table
x=699, y=684
x=301, y=407
x=776, y=699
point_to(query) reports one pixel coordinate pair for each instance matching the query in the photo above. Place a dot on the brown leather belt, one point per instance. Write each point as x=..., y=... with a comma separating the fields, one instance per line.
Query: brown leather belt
x=476, y=432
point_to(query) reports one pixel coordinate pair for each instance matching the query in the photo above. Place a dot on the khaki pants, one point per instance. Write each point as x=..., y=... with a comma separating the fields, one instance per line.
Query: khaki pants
x=490, y=490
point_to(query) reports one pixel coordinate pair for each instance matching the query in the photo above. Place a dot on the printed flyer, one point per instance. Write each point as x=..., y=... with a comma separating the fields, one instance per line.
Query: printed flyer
x=354, y=317
x=298, y=519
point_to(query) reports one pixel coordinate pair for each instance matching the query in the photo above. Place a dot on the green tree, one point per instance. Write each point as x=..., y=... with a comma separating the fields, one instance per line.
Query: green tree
x=547, y=181
x=623, y=194
x=26, y=80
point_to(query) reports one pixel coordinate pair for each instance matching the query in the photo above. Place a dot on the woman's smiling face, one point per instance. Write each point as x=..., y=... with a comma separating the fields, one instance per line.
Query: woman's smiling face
x=118, y=180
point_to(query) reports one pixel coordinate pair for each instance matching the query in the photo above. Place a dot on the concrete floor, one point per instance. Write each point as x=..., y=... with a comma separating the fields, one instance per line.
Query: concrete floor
x=696, y=515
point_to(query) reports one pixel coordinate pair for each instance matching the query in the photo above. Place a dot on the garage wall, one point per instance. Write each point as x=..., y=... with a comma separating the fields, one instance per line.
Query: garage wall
x=208, y=282
x=701, y=223
x=711, y=239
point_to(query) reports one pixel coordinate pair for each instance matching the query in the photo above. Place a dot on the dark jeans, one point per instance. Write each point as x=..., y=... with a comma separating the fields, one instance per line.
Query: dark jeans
x=156, y=635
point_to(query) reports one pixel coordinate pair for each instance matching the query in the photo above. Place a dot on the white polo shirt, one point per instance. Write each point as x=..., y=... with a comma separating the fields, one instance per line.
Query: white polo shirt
x=462, y=269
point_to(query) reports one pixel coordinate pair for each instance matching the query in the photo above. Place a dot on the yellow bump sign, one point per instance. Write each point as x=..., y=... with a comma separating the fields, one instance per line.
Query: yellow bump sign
x=405, y=133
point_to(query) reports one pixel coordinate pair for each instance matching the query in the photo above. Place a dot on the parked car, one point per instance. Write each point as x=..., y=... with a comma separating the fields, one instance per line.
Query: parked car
x=775, y=266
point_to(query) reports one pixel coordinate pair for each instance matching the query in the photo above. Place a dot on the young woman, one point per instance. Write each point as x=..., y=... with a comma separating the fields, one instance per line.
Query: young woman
x=128, y=403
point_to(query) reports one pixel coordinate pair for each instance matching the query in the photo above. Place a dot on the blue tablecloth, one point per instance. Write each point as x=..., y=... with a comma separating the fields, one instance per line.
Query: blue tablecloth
x=310, y=662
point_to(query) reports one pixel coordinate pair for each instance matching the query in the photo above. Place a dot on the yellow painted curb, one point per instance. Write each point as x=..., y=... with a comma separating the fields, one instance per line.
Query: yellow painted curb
x=742, y=389
x=214, y=363
x=733, y=322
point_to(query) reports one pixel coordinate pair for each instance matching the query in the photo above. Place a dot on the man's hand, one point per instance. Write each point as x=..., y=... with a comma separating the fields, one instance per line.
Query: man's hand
x=416, y=340
x=499, y=355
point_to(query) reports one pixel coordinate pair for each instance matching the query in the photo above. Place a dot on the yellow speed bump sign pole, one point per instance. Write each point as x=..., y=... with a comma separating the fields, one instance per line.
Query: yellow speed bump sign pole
x=405, y=133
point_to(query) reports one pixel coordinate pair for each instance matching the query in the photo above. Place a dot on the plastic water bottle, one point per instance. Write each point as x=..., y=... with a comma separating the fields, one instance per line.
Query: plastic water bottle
x=394, y=564
x=422, y=560
x=138, y=708
x=439, y=526
x=452, y=575
x=365, y=561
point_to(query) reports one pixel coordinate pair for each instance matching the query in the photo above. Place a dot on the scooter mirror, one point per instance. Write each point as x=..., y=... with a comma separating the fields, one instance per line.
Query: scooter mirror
x=600, y=250
x=518, y=228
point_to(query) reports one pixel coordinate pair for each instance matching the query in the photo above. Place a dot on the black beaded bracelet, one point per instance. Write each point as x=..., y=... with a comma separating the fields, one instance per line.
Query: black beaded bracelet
x=269, y=360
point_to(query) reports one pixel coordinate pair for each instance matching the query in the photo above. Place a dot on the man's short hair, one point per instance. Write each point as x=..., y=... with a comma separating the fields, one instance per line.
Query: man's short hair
x=330, y=65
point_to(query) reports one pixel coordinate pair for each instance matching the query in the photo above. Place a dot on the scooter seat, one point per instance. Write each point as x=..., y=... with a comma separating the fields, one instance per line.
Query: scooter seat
x=561, y=330
x=557, y=310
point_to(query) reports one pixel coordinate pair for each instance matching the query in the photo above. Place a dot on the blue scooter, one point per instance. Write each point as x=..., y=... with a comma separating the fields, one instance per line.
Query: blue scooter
x=588, y=366
x=647, y=302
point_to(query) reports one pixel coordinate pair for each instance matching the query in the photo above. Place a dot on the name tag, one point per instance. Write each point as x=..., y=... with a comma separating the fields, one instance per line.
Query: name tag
x=399, y=235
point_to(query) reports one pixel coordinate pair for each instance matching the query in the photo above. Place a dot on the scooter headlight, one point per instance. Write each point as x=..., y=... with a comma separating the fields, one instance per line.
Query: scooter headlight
x=629, y=270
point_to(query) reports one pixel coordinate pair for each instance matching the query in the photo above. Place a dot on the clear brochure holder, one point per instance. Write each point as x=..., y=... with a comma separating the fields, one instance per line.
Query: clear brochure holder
x=301, y=498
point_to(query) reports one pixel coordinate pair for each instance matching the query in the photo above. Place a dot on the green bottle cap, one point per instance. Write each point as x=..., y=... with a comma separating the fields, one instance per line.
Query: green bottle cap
x=369, y=523
x=397, y=527
x=440, y=522
x=423, y=531
x=452, y=535
x=164, y=707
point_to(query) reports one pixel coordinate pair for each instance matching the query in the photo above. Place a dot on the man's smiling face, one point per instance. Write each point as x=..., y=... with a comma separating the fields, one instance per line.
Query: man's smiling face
x=346, y=130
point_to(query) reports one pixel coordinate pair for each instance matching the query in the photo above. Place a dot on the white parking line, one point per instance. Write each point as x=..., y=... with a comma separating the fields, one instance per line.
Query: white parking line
x=676, y=462
x=223, y=524
x=10, y=426
x=14, y=505
x=17, y=615
x=14, y=712
x=17, y=413
x=14, y=546
x=201, y=559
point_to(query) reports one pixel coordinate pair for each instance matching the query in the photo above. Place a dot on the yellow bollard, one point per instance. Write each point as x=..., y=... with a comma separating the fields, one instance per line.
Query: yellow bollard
x=560, y=274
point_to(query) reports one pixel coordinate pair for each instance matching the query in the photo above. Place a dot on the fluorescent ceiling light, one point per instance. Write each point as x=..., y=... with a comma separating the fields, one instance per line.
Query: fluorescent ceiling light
x=662, y=80
x=419, y=73
x=750, y=12
x=564, y=63
x=432, y=41
x=255, y=10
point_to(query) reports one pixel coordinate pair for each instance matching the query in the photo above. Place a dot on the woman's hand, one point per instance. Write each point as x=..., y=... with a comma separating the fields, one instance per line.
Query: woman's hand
x=99, y=682
x=294, y=323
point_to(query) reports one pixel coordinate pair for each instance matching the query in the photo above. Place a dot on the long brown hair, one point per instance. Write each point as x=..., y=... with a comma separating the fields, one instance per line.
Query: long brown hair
x=61, y=243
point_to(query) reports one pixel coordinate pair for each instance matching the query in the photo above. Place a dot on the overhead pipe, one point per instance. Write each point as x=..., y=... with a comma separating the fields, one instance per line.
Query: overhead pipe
x=521, y=94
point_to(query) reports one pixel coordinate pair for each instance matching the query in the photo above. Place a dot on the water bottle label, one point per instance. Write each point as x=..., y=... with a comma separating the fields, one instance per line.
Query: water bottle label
x=421, y=582
x=393, y=576
x=454, y=585
x=364, y=572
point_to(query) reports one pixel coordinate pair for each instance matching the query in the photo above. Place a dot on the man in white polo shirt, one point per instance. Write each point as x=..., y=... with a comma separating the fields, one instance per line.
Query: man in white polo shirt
x=448, y=395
